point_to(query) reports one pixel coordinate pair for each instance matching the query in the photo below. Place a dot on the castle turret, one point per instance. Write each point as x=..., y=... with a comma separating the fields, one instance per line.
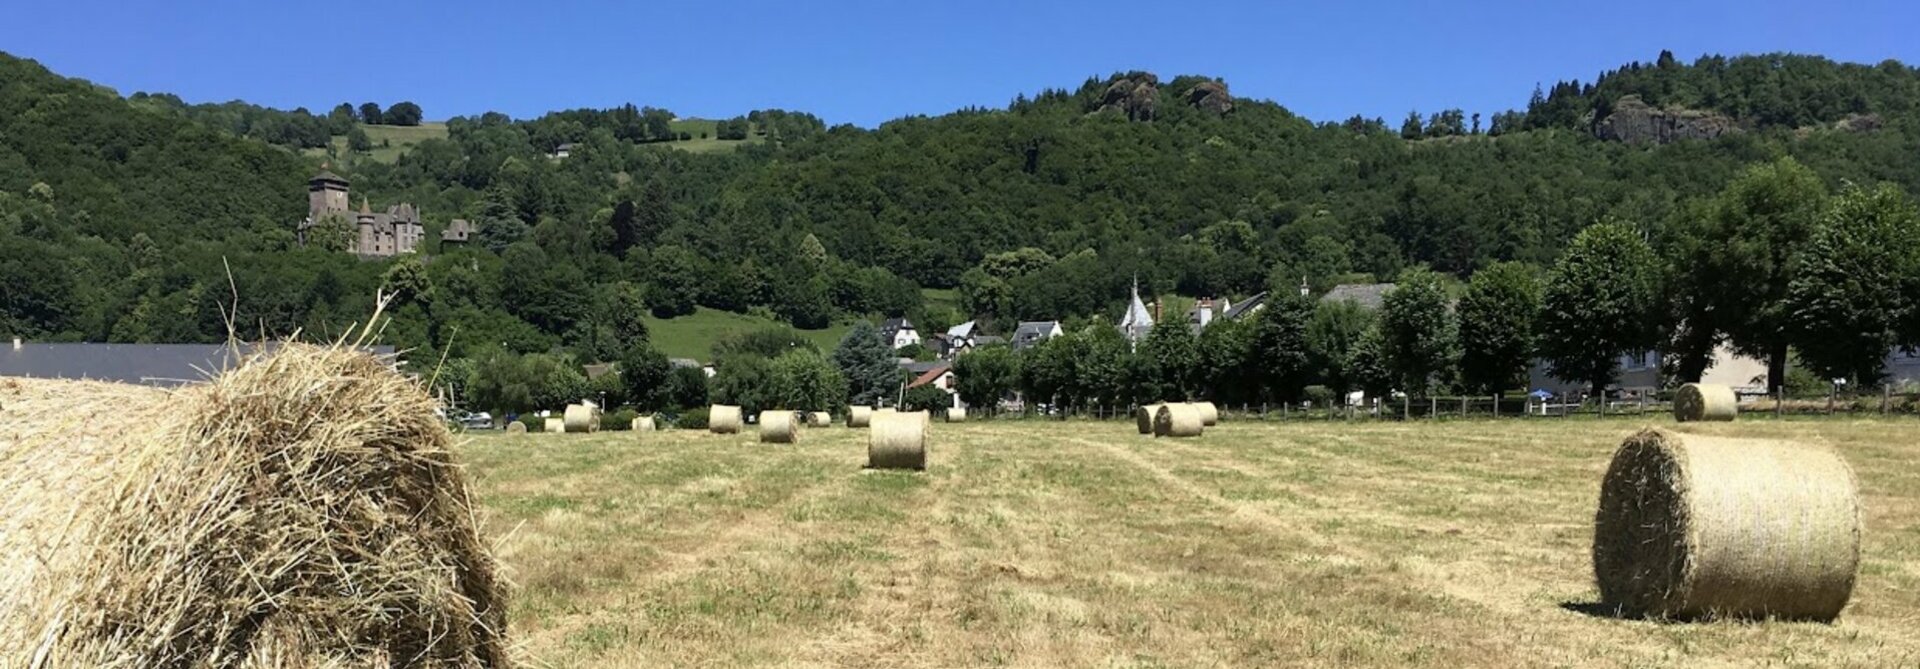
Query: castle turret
x=326, y=194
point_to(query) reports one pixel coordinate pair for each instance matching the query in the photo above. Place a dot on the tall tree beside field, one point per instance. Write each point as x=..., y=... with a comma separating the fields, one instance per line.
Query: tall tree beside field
x=645, y=374
x=404, y=113
x=1756, y=231
x=1226, y=375
x=1600, y=303
x=1853, y=293
x=804, y=381
x=1420, y=334
x=1170, y=360
x=1497, y=321
x=370, y=114
x=983, y=376
x=867, y=364
x=1278, y=346
x=1333, y=336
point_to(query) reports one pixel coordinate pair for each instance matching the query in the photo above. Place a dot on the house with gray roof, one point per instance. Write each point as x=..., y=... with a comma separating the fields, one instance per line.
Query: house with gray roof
x=163, y=365
x=1031, y=333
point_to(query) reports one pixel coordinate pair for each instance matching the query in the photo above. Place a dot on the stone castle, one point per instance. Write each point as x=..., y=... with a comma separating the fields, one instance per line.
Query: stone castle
x=392, y=233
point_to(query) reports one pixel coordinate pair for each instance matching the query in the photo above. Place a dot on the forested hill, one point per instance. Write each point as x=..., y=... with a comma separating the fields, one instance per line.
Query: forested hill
x=115, y=216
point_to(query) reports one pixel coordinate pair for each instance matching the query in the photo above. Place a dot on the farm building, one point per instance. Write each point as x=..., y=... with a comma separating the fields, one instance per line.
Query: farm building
x=163, y=365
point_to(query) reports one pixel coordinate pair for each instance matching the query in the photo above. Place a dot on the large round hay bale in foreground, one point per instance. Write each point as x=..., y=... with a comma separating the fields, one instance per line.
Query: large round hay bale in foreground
x=582, y=418
x=1143, y=417
x=1209, y=414
x=819, y=419
x=779, y=427
x=898, y=440
x=643, y=424
x=1691, y=526
x=301, y=510
x=1177, y=420
x=859, y=416
x=516, y=427
x=1705, y=402
x=554, y=425
x=724, y=419
x=956, y=415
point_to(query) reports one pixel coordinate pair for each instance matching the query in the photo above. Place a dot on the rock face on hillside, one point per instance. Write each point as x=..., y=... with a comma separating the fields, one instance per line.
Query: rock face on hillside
x=1210, y=96
x=1634, y=121
x=1136, y=95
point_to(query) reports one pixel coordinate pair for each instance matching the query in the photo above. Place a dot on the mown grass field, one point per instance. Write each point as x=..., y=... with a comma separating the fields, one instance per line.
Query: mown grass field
x=693, y=335
x=1027, y=544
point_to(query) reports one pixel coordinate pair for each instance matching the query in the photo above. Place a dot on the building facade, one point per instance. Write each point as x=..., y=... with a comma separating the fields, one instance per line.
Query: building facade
x=396, y=231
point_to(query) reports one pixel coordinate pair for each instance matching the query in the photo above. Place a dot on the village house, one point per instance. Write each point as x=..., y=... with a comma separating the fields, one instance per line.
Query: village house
x=1031, y=333
x=899, y=333
x=1137, y=322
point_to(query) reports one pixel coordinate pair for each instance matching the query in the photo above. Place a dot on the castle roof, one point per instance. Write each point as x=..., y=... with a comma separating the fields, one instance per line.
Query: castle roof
x=327, y=176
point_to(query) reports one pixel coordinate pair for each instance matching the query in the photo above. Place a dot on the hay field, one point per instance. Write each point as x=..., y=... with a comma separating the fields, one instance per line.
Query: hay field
x=1452, y=544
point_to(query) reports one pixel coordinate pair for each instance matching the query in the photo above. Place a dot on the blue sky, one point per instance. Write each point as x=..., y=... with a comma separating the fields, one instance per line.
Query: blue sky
x=867, y=62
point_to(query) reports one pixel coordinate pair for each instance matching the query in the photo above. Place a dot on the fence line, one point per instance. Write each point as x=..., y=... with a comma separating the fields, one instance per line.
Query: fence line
x=1512, y=407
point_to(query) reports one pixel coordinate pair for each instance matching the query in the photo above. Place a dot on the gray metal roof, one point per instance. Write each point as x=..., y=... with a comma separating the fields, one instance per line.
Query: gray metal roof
x=143, y=364
x=1367, y=295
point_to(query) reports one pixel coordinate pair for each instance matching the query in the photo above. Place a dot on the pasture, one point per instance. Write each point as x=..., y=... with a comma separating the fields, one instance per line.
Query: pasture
x=1079, y=544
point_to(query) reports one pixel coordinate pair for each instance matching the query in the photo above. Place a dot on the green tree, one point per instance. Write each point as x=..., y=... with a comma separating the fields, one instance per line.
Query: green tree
x=983, y=376
x=687, y=388
x=645, y=375
x=1368, y=363
x=1757, y=229
x=867, y=364
x=1278, y=346
x=357, y=140
x=1497, y=320
x=745, y=381
x=1853, y=292
x=1172, y=360
x=1410, y=128
x=370, y=114
x=1225, y=349
x=1600, y=303
x=1419, y=332
x=403, y=113
x=927, y=398
x=1332, y=337
x=676, y=282
x=804, y=381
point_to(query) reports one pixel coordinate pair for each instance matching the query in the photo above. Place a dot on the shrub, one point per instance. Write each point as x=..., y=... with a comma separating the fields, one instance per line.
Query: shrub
x=533, y=423
x=618, y=419
x=1320, y=396
x=928, y=398
x=692, y=419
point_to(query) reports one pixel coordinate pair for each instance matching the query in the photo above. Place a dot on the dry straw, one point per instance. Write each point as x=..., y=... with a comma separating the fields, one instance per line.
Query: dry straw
x=819, y=419
x=898, y=440
x=956, y=415
x=302, y=510
x=582, y=418
x=1705, y=402
x=779, y=427
x=1177, y=420
x=554, y=425
x=1209, y=414
x=1691, y=526
x=859, y=416
x=1143, y=417
x=516, y=427
x=723, y=419
x=643, y=424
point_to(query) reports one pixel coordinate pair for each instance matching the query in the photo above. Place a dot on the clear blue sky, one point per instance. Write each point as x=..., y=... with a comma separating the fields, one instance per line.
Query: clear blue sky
x=867, y=62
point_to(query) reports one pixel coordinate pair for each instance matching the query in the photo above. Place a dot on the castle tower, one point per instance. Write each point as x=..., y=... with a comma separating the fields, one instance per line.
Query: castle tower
x=326, y=194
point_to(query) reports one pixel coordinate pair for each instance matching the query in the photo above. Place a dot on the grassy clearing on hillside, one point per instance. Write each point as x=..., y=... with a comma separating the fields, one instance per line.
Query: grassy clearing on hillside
x=1457, y=544
x=399, y=139
x=711, y=143
x=692, y=336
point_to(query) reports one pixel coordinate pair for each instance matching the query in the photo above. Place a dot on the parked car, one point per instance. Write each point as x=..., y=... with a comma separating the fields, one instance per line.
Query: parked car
x=479, y=420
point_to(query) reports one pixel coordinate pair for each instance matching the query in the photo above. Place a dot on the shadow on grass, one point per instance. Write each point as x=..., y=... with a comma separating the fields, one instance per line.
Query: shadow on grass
x=1600, y=610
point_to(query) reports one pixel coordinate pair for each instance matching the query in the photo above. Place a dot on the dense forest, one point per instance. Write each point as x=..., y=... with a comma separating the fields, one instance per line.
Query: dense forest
x=142, y=218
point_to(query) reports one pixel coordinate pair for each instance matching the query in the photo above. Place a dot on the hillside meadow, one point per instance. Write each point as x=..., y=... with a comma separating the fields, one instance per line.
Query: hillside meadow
x=1030, y=544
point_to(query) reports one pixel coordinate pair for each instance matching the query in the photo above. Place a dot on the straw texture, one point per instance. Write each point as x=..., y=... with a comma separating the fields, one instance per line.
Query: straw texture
x=779, y=427
x=643, y=424
x=819, y=419
x=1692, y=526
x=898, y=440
x=1705, y=402
x=554, y=425
x=1209, y=414
x=1143, y=417
x=724, y=419
x=303, y=510
x=956, y=415
x=516, y=427
x=859, y=416
x=1177, y=420
x=582, y=418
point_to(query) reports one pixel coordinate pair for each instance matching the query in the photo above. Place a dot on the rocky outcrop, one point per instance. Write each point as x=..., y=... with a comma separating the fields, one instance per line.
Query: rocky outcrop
x=1859, y=123
x=1210, y=96
x=1136, y=95
x=1634, y=121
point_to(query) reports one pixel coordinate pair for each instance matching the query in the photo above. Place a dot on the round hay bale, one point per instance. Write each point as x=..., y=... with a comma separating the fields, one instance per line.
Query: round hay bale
x=819, y=419
x=956, y=415
x=1691, y=526
x=581, y=418
x=643, y=424
x=555, y=425
x=724, y=419
x=516, y=427
x=1143, y=417
x=859, y=416
x=1705, y=402
x=1209, y=414
x=779, y=427
x=304, y=509
x=898, y=440
x=1177, y=420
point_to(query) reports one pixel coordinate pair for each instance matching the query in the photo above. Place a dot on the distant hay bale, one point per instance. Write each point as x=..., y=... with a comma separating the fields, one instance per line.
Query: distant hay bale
x=724, y=419
x=859, y=416
x=1143, y=417
x=1209, y=414
x=1691, y=526
x=582, y=418
x=819, y=419
x=643, y=424
x=956, y=415
x=516, y=427
x=898, y=440
x=555, y=425
x=1177, y=420
x=304, y=509
x=779, y=427
x=1705, y=402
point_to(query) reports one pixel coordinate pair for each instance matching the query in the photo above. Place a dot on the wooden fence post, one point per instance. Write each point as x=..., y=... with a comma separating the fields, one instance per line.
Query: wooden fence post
x=1886, y=398
x=1496, y=405
x=1780, y=402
